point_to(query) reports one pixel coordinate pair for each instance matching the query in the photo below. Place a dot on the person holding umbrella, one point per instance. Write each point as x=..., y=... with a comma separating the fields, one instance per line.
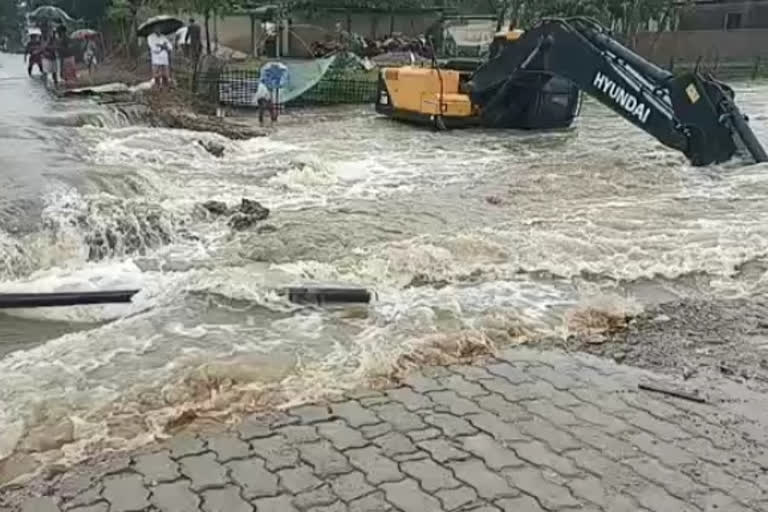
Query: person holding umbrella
x=91, y=50
x=160, y=56
x=160, y=47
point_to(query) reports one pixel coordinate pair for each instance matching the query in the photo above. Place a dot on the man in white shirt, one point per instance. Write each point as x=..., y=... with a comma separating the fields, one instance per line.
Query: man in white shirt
x=160, y=55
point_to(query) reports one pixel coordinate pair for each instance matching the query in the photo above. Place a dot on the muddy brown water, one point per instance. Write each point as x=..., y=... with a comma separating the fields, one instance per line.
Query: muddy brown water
x=488, y=236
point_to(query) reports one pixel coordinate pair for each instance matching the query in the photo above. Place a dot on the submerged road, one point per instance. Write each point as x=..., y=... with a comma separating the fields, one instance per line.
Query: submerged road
x=27, y=152
x=472, y=240
x=526, y=432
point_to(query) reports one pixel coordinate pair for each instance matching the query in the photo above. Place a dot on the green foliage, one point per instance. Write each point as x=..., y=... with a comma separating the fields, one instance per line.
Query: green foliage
x=10, y=19
x=381, y=5
x=204, y=6
x=623, y=15
x=90, y=11
x=120, y=11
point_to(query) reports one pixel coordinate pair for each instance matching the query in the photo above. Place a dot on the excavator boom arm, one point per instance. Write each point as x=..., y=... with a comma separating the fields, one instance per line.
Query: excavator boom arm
x=692, y=113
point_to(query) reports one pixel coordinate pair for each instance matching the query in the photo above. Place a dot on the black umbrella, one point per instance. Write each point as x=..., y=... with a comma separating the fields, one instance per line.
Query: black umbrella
x=50, y=13
x=166, y=24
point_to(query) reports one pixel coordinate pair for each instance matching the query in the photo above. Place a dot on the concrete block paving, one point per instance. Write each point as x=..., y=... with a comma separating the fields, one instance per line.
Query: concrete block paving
x=528, y=431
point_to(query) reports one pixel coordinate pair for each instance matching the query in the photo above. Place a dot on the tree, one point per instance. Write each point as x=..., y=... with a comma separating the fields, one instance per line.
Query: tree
x=206, y=8
x=500, y=8
x=10, y=19
x=90, y=11
x=624, y=16
x=123, y=13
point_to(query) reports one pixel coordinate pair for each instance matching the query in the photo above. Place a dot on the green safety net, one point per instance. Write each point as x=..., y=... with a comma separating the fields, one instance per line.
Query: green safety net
x=238, y=87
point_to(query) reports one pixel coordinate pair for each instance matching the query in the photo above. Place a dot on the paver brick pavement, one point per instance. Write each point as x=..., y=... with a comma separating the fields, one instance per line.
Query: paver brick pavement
x=528, y=431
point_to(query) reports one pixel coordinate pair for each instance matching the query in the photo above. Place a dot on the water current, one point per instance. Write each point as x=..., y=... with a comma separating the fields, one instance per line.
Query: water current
x=466, y=237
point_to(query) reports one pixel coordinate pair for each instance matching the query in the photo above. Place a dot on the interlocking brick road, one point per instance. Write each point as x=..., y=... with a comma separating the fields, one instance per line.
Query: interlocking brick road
x=528, y=431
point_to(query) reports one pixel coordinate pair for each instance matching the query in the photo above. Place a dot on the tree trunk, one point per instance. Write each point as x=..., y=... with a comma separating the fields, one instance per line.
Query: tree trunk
x=207, y=32
x=501, y=9
x=133, y=44
x=253, y=36
x=515, y=14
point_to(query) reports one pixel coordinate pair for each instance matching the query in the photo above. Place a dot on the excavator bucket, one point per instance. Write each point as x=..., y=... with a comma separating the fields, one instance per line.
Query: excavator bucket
x=714, y=126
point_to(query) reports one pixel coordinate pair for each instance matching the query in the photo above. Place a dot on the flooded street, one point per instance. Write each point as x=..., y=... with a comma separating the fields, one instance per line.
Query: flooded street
x=467, y=237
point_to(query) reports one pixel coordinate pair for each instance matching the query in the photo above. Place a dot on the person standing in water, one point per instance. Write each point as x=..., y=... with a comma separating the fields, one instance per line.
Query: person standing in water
x=49, y=56
x=90, y=56
x=66, y=56
x=160, y=56
x=263, y=98
x=33, y=54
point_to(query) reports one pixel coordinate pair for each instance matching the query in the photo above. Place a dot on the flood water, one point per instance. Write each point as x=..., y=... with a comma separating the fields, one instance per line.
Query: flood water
x=468, y=236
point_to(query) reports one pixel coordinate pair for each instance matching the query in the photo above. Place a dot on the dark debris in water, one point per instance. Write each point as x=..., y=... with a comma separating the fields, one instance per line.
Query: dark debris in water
x=216, y=207
x=213, y=148
x=243, y=216
x=421, y=280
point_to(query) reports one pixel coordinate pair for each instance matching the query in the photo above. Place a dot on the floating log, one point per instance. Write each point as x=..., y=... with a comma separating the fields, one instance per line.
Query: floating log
x=322, y=295
x=42, y=300
x=299, y=295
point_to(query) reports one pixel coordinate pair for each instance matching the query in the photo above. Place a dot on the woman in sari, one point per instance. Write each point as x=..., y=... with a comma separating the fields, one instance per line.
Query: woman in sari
x=67, y=55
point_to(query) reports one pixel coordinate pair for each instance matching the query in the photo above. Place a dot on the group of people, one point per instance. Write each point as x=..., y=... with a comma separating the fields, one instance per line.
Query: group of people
x=53, y=53
x=160, y=49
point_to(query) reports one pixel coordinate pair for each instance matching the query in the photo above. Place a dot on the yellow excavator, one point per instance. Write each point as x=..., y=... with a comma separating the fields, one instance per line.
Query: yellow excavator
x=533, y=80
x=438, y=95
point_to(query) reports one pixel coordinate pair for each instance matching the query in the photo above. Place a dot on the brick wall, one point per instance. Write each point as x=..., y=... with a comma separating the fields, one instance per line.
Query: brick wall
x=713, y=16
x=710, y=45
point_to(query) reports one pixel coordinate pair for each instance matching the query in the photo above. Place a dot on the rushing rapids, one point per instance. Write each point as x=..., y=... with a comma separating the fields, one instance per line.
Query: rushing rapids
x=471, y=239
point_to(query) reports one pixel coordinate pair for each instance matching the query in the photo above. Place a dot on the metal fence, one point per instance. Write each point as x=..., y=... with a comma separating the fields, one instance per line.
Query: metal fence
x=755, y=68
x=237, y=87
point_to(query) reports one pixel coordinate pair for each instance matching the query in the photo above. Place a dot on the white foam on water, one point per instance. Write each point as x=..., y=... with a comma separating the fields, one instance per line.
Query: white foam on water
x=98, y=377
x=578, y=209
x=93, y=277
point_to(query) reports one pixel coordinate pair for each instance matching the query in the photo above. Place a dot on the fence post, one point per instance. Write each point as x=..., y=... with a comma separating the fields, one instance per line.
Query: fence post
x=671, y=63
x=756, y=68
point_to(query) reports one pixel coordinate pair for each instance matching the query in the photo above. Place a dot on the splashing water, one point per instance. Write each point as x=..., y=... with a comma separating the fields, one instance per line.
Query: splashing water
x=585, y=227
